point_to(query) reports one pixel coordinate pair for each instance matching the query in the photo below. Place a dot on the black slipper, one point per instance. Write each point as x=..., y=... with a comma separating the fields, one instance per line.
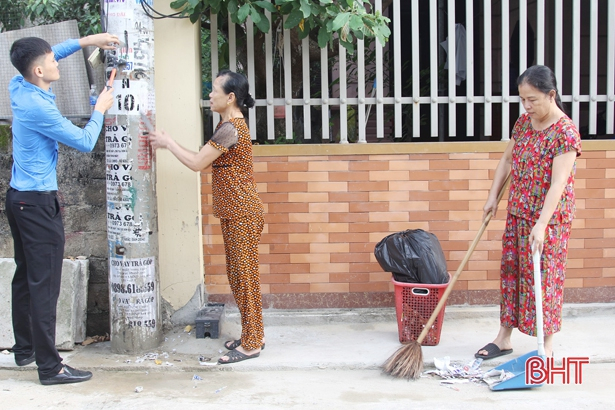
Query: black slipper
x=492, y=351
x=235, y=356
x=234, y=344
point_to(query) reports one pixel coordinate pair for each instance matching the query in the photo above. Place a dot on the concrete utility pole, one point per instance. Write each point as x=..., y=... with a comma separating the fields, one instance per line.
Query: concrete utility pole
x=132, y=228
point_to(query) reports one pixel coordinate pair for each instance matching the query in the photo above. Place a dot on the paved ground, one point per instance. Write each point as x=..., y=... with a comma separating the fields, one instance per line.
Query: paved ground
x=326, y=359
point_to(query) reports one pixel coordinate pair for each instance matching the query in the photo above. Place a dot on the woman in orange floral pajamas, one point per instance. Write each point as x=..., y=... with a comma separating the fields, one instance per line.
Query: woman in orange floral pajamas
x=541, y=157
x=235, y=201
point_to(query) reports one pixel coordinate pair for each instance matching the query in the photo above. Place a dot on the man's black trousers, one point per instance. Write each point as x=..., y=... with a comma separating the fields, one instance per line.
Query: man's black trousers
x=38, y=235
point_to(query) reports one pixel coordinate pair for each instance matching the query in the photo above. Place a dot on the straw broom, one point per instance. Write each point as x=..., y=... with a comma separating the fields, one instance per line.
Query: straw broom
x=407, y=361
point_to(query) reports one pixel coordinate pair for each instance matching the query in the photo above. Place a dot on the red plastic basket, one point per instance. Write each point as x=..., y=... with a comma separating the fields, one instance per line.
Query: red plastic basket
x=414, y=304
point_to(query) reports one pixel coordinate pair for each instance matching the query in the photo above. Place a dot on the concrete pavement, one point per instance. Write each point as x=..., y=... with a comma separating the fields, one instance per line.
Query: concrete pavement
x=348, y=343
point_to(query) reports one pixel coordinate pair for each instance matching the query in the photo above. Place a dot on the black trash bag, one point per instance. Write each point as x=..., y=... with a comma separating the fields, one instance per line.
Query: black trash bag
x=413, y=256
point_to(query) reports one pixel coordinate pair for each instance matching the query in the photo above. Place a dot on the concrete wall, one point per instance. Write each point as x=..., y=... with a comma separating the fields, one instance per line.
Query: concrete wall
x=328, y=205
x=71, y=309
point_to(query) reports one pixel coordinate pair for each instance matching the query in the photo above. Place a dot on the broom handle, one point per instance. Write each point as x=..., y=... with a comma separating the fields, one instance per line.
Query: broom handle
x=462, y=265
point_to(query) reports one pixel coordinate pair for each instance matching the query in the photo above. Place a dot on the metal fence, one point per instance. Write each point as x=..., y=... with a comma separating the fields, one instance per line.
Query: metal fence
x=447, y=73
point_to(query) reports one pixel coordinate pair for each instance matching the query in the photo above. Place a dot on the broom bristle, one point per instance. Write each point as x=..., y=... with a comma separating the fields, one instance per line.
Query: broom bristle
x=406, y=362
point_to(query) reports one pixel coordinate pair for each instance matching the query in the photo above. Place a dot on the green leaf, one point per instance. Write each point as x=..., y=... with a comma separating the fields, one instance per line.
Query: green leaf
x=263, y=25
x=324, y=36
x=305, y=8
x=243, y=12
x=326, y=1
x=348, y=46
x=340, y=21
x=256, y=16
x=293, y=19
x=194, y=3
x=266, y=5
x=356, y=22
x=50, y=10
x=215, y=6
x=178, y=4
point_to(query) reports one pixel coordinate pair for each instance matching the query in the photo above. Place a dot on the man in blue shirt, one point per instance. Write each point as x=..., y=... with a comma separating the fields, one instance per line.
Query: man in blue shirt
x=32, y=207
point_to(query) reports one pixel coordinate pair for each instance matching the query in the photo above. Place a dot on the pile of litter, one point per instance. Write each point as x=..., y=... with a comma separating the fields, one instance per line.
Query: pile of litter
x=466, y=373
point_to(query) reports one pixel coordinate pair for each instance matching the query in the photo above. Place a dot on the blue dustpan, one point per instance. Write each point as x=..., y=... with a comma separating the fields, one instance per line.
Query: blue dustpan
x=517, y=366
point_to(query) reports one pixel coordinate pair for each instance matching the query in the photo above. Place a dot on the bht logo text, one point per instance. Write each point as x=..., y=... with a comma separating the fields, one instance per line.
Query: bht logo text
x=539, y=371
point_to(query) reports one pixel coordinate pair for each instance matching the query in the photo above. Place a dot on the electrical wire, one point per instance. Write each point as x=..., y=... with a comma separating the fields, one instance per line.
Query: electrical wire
x=156, y=15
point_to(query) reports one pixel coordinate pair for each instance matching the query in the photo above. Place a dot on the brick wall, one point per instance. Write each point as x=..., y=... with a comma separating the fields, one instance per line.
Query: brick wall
x=328, y=205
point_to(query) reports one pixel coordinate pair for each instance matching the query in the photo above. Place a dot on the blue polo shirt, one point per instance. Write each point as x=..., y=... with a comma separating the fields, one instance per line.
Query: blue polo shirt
x=38, y=126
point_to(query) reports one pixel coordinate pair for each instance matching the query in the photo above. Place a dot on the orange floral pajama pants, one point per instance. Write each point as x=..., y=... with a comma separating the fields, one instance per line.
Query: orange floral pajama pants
x=241, y=237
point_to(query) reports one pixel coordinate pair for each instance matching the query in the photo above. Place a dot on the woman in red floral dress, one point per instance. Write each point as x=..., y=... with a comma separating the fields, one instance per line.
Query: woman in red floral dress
x=541, y=156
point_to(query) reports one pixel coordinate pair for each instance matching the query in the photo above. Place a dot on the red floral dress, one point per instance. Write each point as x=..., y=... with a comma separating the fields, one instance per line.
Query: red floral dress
x=532, y=167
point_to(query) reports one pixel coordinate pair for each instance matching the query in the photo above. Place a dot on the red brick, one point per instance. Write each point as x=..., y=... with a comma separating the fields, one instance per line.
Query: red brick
x=590, y=174
x=350, y=196
x=289, y=228
x=368, y=207
x=448, y=185
x=449, y=164
x=598, y=282
x=359, y=247
x=349, y=217
x=598, y=263
x=599, y=183
x=368, y=227
x=290, y=268
x=271, y=177
x=429, y=195
x=448, y=226
x=287, y=166
x=329, y=288
x=449, y=206
x=287, y=187
x=289, y=288
x=365, y=267
x=350, y=257
x=348, y=277
x=348, y=176
x=368, y=186
x=348, y=237
x=275, y=278
x=437, y=175
x=368, y=166
x=274, y=258
x=272, y=197
x=274, y=238
x=275, y=208
x=276, y=218
x=583, y=273
x=289, y=248
x=596, y=193
x=428, y=215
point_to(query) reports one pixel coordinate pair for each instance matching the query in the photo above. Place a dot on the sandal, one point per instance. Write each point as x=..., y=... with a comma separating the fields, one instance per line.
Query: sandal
x=492, y=351
x=235, y=356
x=234, y=344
